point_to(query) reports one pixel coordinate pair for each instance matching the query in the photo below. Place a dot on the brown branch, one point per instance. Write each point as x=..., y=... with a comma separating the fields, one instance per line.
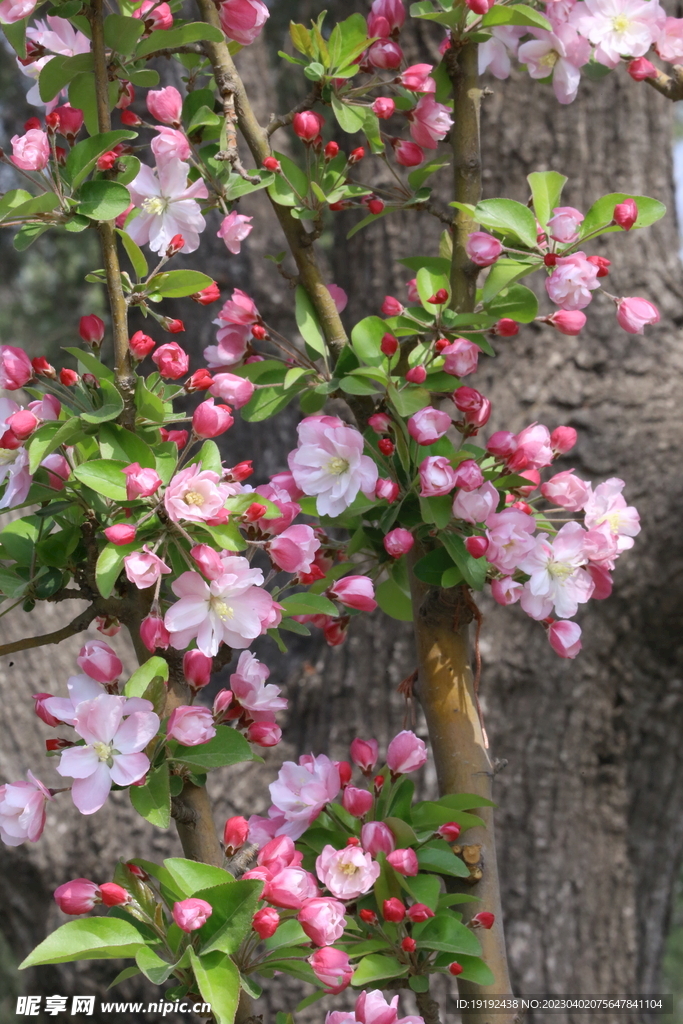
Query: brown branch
x=428, y=1007
x=281, y=120
x=194, y=48
x=256, y=137
x=77, y=625
x=670, y=86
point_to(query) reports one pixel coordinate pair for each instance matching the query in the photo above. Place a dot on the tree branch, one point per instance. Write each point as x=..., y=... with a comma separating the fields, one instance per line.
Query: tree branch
x=280, y=120
x=670, y=86
x=77, y=625
x=428, y=1007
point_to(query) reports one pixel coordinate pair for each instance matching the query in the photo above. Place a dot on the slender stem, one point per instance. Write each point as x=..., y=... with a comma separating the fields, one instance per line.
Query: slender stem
x=77, y=625
x=106, y=230
x=670, y=86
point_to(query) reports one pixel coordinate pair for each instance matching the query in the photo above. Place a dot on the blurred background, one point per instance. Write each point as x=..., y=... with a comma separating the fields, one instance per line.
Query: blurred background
x=591, y=800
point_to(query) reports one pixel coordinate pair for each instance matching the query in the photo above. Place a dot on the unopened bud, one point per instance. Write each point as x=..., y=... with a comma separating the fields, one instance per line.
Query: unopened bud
x=389, y=345
x=175, y=245
x=438, y=298
x=386, y=446
x=416, y=375
x=255, y=512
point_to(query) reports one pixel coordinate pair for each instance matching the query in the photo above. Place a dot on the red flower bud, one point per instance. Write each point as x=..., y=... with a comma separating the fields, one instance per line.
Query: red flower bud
x=235, y=834
x=113, y=895
x=389, y=345
x=368, y=916
x=141, y=345
x=416, y=375
x=106, y=161
x=43, y=368
x=378, y=783
x=441, y=343
x=393, y=910
x=207, y=295
x=175, y=245
x=91, y=330
x=450, y=831
x=506, y=328
x=386, y=446
x=641, y=68
x=345, y=771
x=438, y=298
x=174, y=326
x=241, y=471
x=484, y=919
x=375, y=206
x=130, y=118
x=271, y=164
x=420, y=912
x=550, y=259
x=476, y=546
x=331, y=150
x=356, y=155
x=409, y=945
x=626, y=214
x=68, y=377
x=601, y=262
x=455, y=969
x=307, y=125
x=255, y=512
x=259, y=332
x=201, y=380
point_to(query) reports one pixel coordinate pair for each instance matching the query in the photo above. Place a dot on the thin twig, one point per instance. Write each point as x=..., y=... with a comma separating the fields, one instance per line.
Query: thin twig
x=670, y=86
x=77, y=625
x=281, y=120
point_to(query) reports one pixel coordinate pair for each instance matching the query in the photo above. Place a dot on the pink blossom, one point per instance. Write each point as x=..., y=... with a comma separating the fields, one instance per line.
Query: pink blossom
x=153, y=632
x=301, y=791
x=339, y=297
x=143, y=568
x=167, y=206
x=191, y=725
x=171, y=360
x=669, y=44
x=558, y=579
x=14, y=468
x=608, y=505
x=294, y=549
x=404, y=861
x=398, y=542
x=15, y=370
x=483, y=249
x=240, y=309
x=474, y=506
x=468, y=475
x=560, y=53
x=233, y=341
x=506, y=591
x=248, y=684
x=534, y=448
x=417, y=78
x=357, y=801
x=355, y=592
x=165, y=105
x=494, y=54
x=210, y=420
x=232, y=609
x=113, y=750
x=234, y=229
x=31, y=152
x=386, y=490
x=191, y=914
x=392, y=11
x=140, y=483
x=80, y=688
x=372, y=1008
x=569, y=322
x=565, y=638
x=99, y=661
x=154, y=14
x=564, y=224
x=197, y=669
x=195, y=494
x=376, y=837
x=170, y=144
x=567, y=491
x=384, y=107
x=242, y=20
x=264, y=734
x=617, y=27
x=509, y=536
x=12, y=11
x=406, y=753
x=437, y=476
x=58, y=470
x=384, y=54
x=330, y=464
x=281, y=497
x=408, y=154
x=602, y=580
x=572, y=280
x=266, y=922
x=78, y=896
x=290, y=888
x=22, y=810
x=461, y=356
x=278, y=854
x=323, y=920
x=601, y=546
x=430, y=123
x=633, y=314
x=347, y=873
x=427, y=425
x=332, y=968
x=364, y=753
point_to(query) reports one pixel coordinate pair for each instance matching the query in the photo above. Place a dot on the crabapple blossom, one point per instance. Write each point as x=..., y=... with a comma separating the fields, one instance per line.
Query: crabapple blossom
x=15, y=369
x=494, y=54
x=191, y=914
x=78, y=896
x=196, y=494
x=427, y=425
x=191, y=725
x=171, y=360
x=170, y=144
x=669, y=44
x=404, y=861
x=567, y=491
x=234, y=229
x=323, y=920
x=468, y=476
x=398, y=542
x=357, y=801
x=232, y=609
x=354, y=592
x=474, y=506
x=143, y=568
x=168, y=206
x=509, y=534
x=437, y=476
x=384, y=107
x=210, y=420
x=460, y=357
x=572, y=280
x=608, y=505
x=347, y=873
x=31, y=152
x=289, y=888
x=157, y=15
x=373, y=1008
x=243, y=20
x=617, y=27
x=430, y=122
x=266, y=922
x=14, y=468
x=567, y=321
x=12, y=11
x=560, y=53
x=417, y=78
x=301, y=791
x=534, y=449
x=197, y=668
x=22, y=810
x=80, y=688
x=564, y=224
x=264, y=734
x=249, y=688
x=294, y=549
x=406, y=753
x=233, y=341
x=391, y=11
x=115, y=741
x=99, y=661
x=565, y=638
x=408, y=154
x=483, y=249
x=364, y=753
x=165, y=105
x=377, y=837
x=385, y=54
x=330, y=464
x=332, y=968
x=633, y=314
x=558, y=579
x=239, y=309
x=476, y=546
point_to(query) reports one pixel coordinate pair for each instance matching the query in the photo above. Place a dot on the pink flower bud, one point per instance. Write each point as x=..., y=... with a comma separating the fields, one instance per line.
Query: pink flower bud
x=307, y=125
x=480, y=6
x=197, y=668
x=568, y=321
x=237, y=391
x=70, y=120
x=562, y=440
x=398, y=542
x=191, y=725
x=564, y=224
x=78, y=896
x=393, y=910
x=385, y=54
x=377, y=837
x=210, y=420
x=31, y=152
x=191, y=914
x=484, y=919
x=243, y=20
x=107, y=625
x=416, y=375
x=502, y=444
x=355, y=592
x=120, y=533
x=406, y=753
x=404, y=861
x=417, y=78
x=265, y=922
x=99, y=662
x=565, y=638
x=264, y=734
x=22, y=424
x=364, y=753
x=450, y=831
x=386, y=490
x=476, y=546
x=332, y=968
x=460, y=357
x=166, y=105
x=91, y=330
x=626, y=214
x=384, y=107
x=408, y=945
x=323, y=920
x=391, y=306
x=113, y=895
x=420, y=912
x=15, y=368
x=42, y=711
x=140, y=482
x=208, y=560
x=357, y=801
x=483, y=249
x=633, y=314
x=427, y=425
x=141, y=345
x=171, y=360
x=468, y=475
x=506, y=591
x=68, y=377
x=506, y=328
x=222, y=701
x=408, y=154
x=154, y=634
x=235, y=834
x=641, y=68
x=389, y=345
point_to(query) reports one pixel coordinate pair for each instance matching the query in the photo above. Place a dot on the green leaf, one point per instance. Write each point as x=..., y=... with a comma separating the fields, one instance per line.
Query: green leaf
x=191, y=876
x=417, y=178
x=27, y=235
x=474, y=969
x=118, y=443
x=56, y=549
x=83, y=156
x=602, y=212
x=308, y=604
x=94, y=938
x=15, y=34
x=11, y=585
x=135, y=255
x=428, y=283
x=503, y=273
x=292, y=178
x=438, y=856
x=153, y=800
x=219, y=982
x=111, y=407
x=109, y=564
x=151, y=965
x=204, y=117
x=508, y=218
x=149, y=405
x=227, y=747
x=473, y=569
x=437, y=510
x=445, y=933
x=435, y=264
x=366, y=338
x=394, y=601
x=377, y=967
x=267, y=402
x=82, y=94
x=121, y=33
x=226, y=536
x=104, y=476
x=431, y=815
x=42, y=442
x=516, y=301
x=170, y=38
x=11, y=200
x=308, y=323
x=19, y=539
x=143, y=676
x=146, y=78
x=424, y=889
x=176, y=283
x=516, y=14
x=91, y=363
x=59, y=71
x=234, y=909
x=358, y=386
x=103, y=200
x=546, y=191
x=350, y=118
x=409, y=399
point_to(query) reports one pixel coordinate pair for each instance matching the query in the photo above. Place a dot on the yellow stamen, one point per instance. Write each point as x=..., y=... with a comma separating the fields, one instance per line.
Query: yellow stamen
x=194, y=498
